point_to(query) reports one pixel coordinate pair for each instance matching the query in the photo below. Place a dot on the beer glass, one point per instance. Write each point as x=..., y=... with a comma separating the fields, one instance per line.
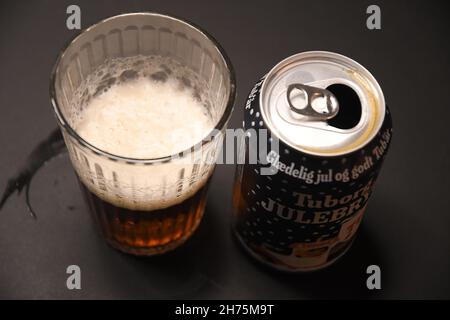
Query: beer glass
x=143, y=206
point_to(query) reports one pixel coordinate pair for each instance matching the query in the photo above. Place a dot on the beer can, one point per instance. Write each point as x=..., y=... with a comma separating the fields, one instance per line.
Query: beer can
x=332, y=129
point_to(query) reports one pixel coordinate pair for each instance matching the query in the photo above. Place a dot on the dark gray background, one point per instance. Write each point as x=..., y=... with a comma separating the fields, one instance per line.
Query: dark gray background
x=406, y=227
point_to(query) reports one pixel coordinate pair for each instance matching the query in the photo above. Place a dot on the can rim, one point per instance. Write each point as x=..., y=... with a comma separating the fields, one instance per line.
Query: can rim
x=335, y=57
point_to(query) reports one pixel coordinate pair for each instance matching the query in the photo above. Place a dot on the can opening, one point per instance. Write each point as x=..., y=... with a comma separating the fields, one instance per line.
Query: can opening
x=350, y=111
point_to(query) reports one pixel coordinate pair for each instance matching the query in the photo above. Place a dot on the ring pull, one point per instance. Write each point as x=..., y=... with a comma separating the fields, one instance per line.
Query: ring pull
x=312, y=102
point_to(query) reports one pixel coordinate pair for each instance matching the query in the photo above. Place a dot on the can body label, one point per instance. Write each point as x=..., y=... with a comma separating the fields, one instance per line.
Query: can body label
x=306, y=215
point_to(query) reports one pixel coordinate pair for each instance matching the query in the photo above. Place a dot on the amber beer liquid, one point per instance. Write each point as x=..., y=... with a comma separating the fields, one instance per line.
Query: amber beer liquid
x=138, y=231
x=143, y=100
x=333, y=130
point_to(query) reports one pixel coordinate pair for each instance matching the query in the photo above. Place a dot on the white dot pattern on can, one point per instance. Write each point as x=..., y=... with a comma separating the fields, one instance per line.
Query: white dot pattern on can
x=256, y=117
x=308, y=233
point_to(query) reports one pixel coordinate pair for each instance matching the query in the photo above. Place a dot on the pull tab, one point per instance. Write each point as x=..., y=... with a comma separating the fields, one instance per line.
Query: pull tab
x=312, y=102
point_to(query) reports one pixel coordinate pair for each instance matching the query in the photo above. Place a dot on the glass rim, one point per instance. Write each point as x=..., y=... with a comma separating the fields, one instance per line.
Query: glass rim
x=63, y=124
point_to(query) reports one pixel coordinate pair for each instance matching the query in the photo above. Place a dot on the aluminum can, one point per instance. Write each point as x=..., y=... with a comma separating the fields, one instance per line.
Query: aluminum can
x=332, y=129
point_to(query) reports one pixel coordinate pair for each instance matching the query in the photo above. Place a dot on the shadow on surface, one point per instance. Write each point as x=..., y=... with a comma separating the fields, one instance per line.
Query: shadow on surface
x=184, y=273
x=346, y=279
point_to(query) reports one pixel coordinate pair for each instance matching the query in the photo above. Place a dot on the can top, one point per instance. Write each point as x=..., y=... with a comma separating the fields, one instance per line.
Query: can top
x=322, y=103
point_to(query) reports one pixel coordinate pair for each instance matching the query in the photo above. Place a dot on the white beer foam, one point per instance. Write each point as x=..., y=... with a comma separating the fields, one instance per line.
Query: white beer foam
x=143, y=117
